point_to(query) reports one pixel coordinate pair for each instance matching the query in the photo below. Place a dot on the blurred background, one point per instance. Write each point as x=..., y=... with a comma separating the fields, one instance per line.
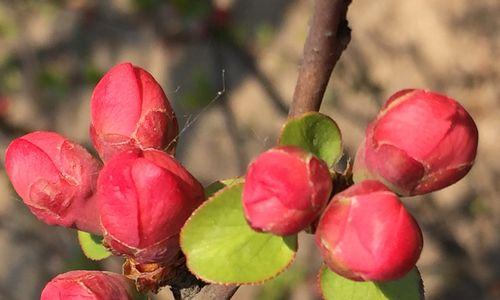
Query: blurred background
x=52, y=54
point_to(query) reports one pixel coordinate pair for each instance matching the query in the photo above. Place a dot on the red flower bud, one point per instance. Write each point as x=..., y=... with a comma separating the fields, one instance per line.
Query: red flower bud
x=55, y=178
x=420, y=142
x=145, y=198
x=130, y=110
x=91, y=285
x=366, y=233
x=285, y=190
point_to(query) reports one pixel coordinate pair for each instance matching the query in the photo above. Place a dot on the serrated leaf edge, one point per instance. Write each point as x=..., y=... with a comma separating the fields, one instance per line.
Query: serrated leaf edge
x=251, y=283
x=421, y=287
x=209, y=200
x=306, y=114
x=85, y=252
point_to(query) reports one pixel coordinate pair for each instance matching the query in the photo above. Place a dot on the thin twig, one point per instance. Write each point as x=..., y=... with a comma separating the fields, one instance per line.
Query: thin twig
x=327, y=38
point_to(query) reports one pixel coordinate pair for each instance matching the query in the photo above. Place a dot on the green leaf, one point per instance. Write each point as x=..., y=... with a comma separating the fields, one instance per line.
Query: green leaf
x=316, y=133
x=336, y=287
x=221, y=248
x=92, y=246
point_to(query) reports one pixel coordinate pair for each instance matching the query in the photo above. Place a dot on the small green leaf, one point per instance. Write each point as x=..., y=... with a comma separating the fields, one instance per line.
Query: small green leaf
x=92, y=246
x=316, y=133
x=221, y=248
x=336, y=287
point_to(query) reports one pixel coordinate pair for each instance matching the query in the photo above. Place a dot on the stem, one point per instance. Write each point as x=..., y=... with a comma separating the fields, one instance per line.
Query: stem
x=327, y=38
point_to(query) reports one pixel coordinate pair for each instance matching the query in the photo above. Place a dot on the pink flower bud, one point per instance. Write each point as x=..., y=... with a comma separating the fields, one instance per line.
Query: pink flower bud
x=420, y=142
x=91, y=285
x=130, y=110
x=55, y=178
x=285, y=190
x=145, y=198
x=366, y=233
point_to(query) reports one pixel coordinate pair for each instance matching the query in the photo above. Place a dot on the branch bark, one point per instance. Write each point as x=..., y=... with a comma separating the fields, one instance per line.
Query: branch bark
x=327, y=38
x=216, y=292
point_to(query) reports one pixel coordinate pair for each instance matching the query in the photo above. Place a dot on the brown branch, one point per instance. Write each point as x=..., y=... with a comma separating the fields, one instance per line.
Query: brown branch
x=215, y=291
x=327, y=38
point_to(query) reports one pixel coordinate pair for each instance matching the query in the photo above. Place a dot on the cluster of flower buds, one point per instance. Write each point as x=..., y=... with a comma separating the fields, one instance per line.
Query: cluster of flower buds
x=139, y=199
x=420, y=142
x=92, y=285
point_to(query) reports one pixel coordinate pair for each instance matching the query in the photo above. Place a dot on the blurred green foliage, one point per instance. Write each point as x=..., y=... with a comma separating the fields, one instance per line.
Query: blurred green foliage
x=92, y=74
x=7, y=28
x=478, y=207
x=53, y=85
x=78, y=261
x=201, y=92
x=265, y=35
x=10, y=77
x=192, y=8
x=145, y=4
x=280, y=287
